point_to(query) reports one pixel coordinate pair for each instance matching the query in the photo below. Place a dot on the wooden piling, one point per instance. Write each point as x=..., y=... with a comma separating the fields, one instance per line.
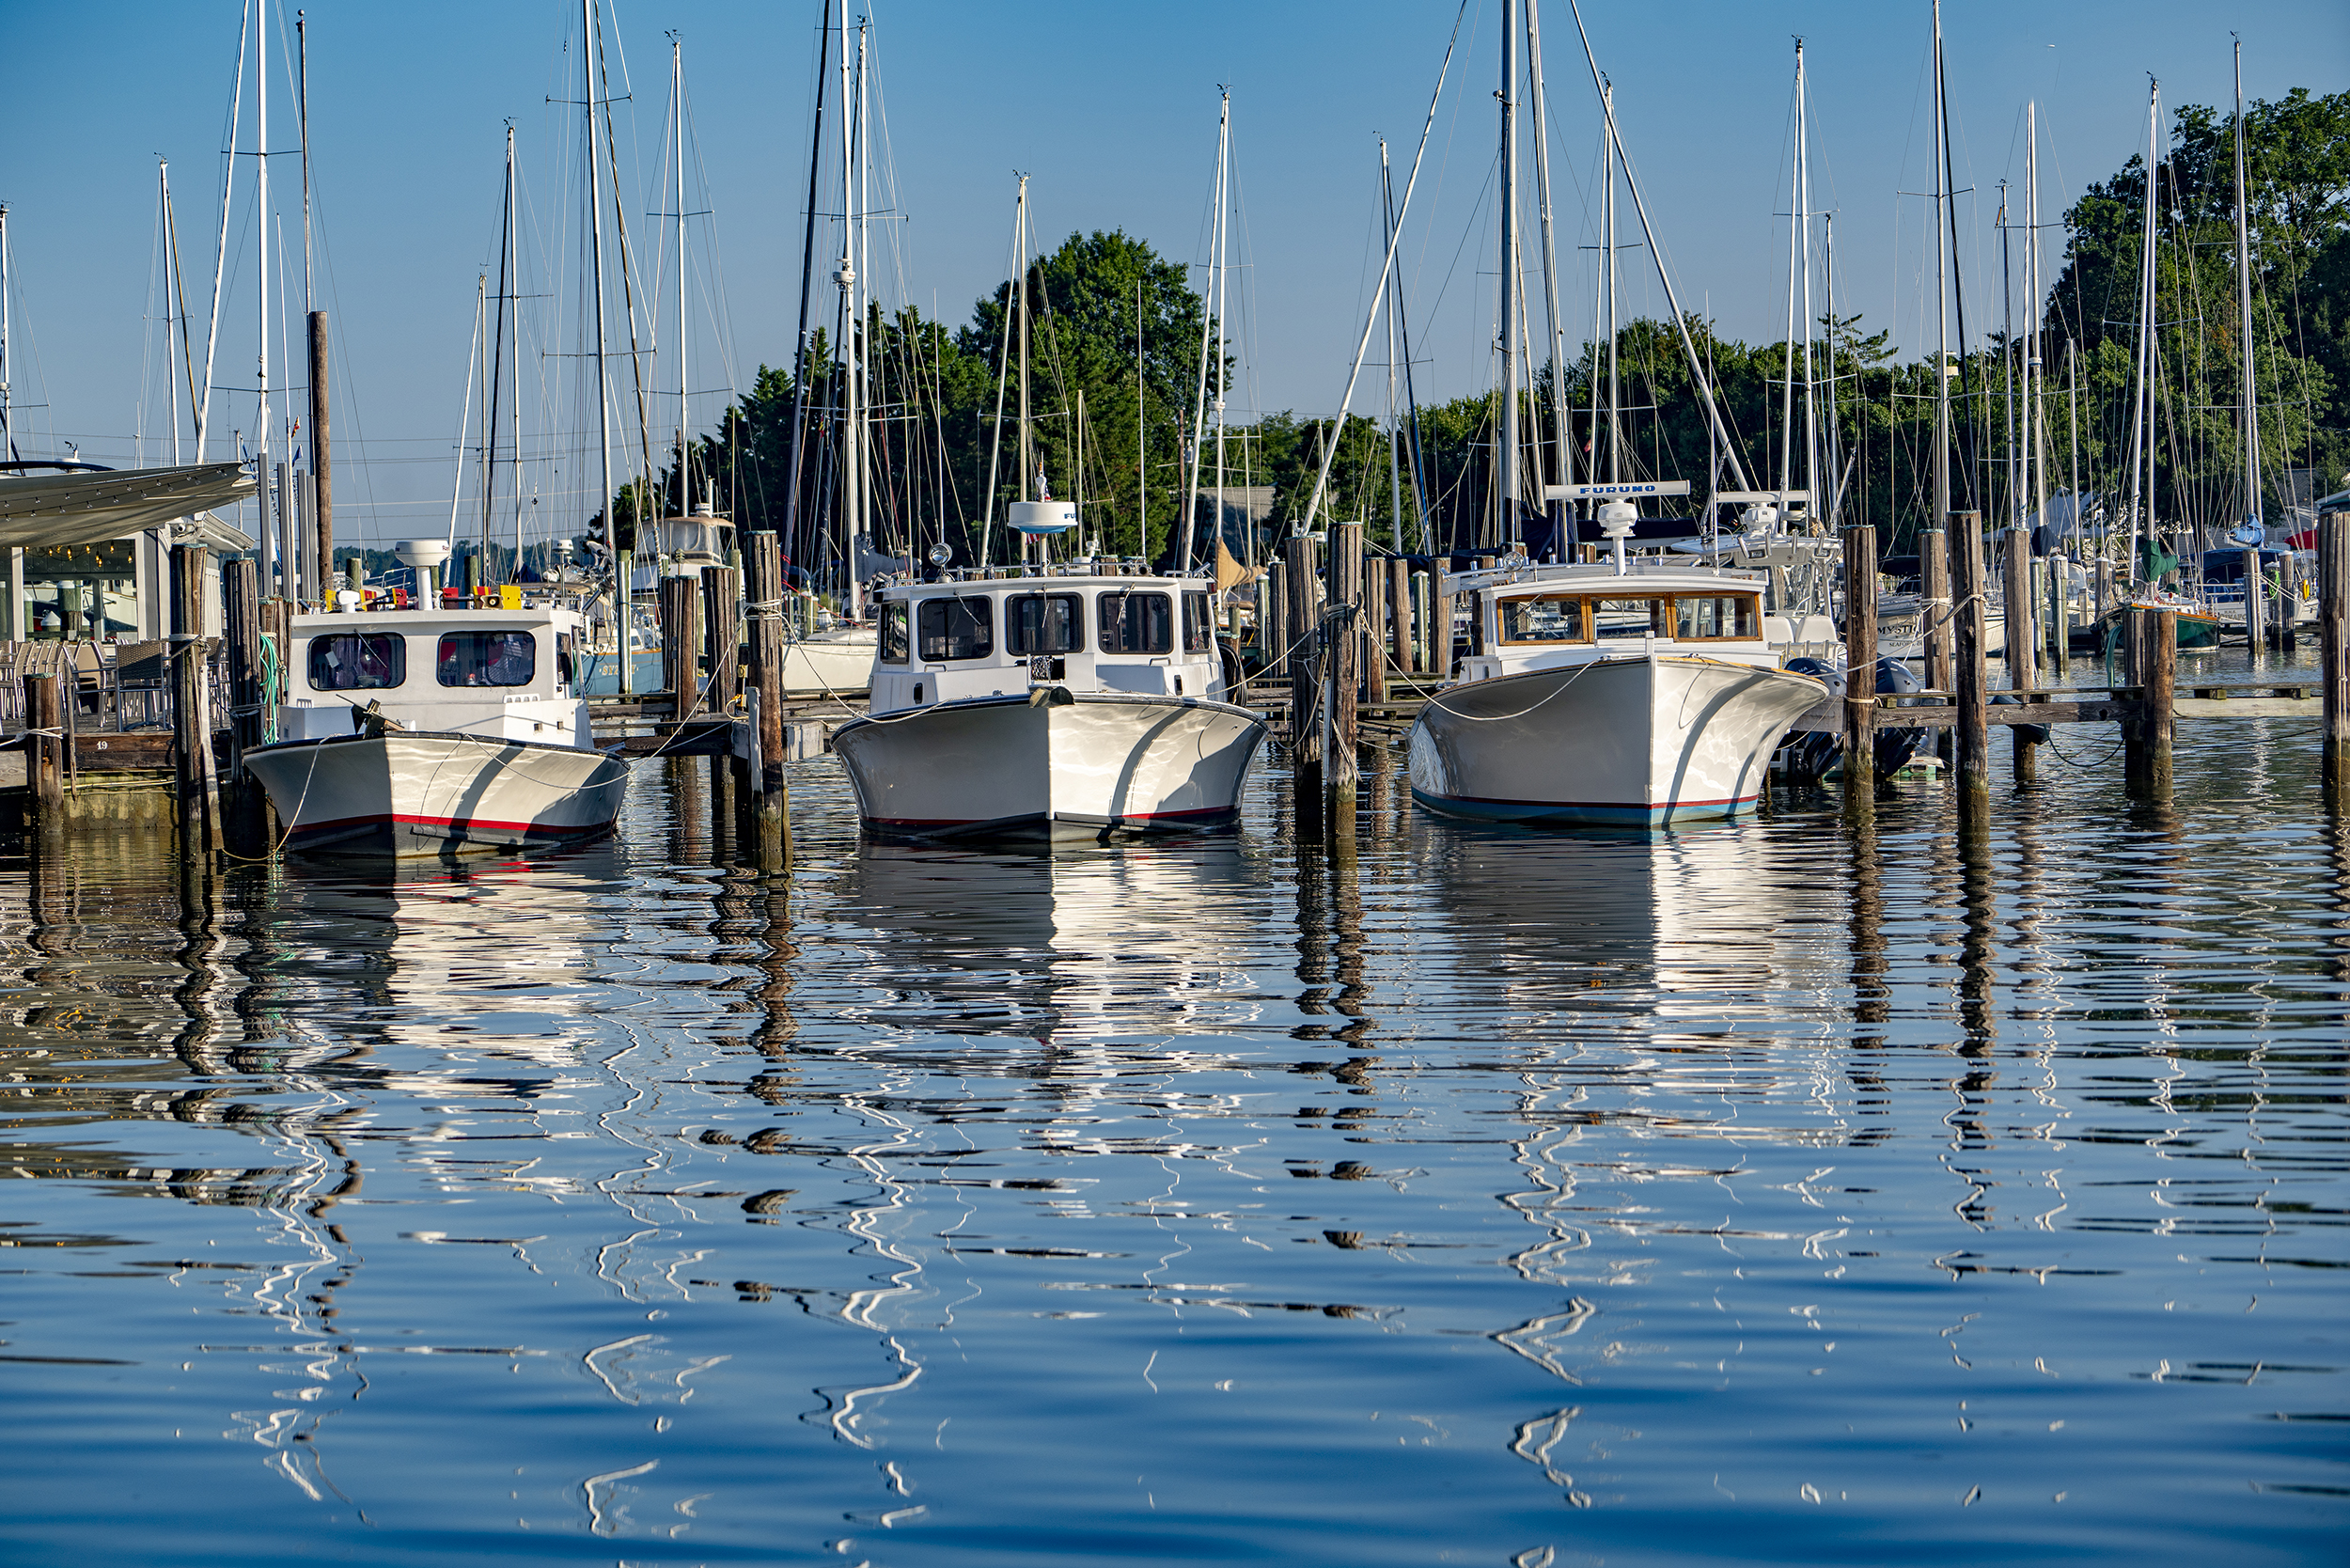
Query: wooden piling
x=2333, y=644
x=1305, y=701
x=681, y=613
x=2159, y=643
x=1273, y=627
x=763, y=593
x=240, y=596
x=1373, y=638
x=1860, y=668
x=722, y=644
x=321, y=461
x=2255, y=602
x=44, y=751
x=1968, y=677
x=2023, y=639
x=195, y=805
x=1343, y=766
x=1399, y=613
x=2060, y=617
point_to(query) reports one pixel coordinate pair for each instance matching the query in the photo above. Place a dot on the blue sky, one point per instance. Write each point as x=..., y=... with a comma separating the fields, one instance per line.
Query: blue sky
x=1110, y=109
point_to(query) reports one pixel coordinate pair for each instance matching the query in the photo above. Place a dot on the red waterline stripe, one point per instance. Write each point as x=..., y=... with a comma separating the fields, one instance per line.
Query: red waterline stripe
x=443, y=822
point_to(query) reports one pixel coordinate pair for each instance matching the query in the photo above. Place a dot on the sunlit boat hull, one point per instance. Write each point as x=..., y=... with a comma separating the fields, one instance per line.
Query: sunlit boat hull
x=434, y=793
x=1004, y=768
x=1633, y=742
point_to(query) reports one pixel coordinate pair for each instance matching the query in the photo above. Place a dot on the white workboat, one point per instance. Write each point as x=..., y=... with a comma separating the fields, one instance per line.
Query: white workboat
x=1637, y=694
x=1063, y=706
x=430, y=733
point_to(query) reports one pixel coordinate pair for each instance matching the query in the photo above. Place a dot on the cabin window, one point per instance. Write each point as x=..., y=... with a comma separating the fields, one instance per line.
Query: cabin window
x=358, y=660
x=1199, y=624
x=1631, y=617
x=958, y=629
x=563, y=671
x=1713, y=616
x=1044, y=623
x=486, y=659
x=1548, y=620
x=1137, y=623
x=894, y=645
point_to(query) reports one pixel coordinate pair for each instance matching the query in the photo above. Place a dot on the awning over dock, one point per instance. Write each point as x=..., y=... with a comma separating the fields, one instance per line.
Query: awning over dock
x=49, y=510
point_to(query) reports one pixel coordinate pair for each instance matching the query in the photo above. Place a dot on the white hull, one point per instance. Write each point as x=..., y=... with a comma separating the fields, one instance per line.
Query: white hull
x=1638, y=741
x=840, y=661
x=429, y=793
x=1003, y=767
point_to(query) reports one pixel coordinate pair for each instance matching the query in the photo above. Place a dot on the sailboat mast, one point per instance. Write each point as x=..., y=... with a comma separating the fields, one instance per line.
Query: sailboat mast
x=1561, y=453
x=851, y=444
x=807, y=271
x=1020, y=304
x=1795, y=229
x=494, y=404
x=2244, y=302
x=2035, y=379
x=1941, y=299
x=1207, y=330
x=301, y=115
x=1142, y=441
x=1611, y=281
x=273, y=539
x=1831, y=430
x=511, y=271
x=1223, y=298
x=1395, y=431
x=7, y=424
x=2142, y=399
x=1509, y=302
x=677, y=134
x=595, y=267
x=220, y=254
x=1803, y=226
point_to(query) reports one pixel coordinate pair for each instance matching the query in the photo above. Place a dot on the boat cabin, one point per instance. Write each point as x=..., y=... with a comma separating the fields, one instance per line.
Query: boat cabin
x=1544, y=616
x=959, y=641
x=506, y=673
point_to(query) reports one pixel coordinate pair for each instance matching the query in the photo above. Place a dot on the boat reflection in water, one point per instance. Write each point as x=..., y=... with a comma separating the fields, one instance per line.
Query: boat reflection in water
x=1679, y=994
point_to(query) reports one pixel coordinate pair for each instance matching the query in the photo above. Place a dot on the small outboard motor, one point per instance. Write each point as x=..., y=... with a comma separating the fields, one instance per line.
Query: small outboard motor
x=1816, y=753
x=2036, y=733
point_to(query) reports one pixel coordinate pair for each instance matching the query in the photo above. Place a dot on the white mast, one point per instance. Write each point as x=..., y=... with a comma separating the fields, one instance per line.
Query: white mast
x=1509, y=454
x=1142, y=441
x=1209, y=329
x=677, y=132
x=2244, y=300
x=273, y=531
x=1794, y=231
x=220, y=255
x=621, y=590
x=1020, y=308
x=7, y=425
x=1550, y=261
x=2035, y=489
x=1608, y=290
x=2141, y=503
x=301, y=111
x=850, y=445
x=1941, y=299
x=1803, y=225
x=1395, y=429
x=1223, y=298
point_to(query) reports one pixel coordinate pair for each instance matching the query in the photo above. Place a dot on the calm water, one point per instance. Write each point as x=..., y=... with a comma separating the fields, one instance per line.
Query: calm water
x=1496, y=1197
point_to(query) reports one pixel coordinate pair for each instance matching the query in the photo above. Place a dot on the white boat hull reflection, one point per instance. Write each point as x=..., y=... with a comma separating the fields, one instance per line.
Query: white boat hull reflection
x=1635, y=741
x=1091, y=763
x=427, y=793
